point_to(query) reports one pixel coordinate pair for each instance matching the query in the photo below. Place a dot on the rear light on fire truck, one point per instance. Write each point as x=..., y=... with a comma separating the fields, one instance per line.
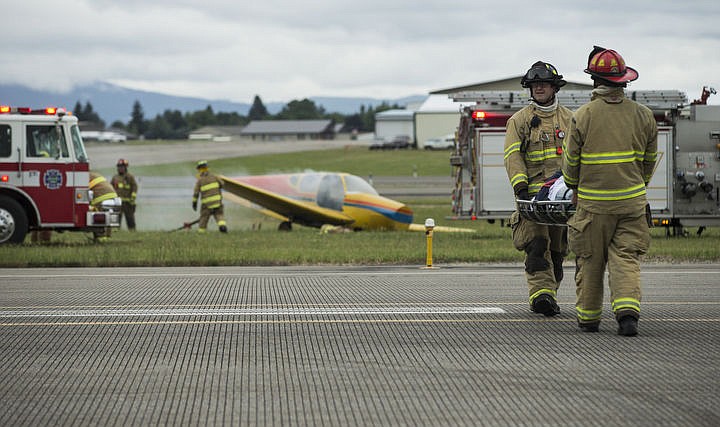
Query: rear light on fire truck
x=490, y=119
x=99, y=218
x=4, y=178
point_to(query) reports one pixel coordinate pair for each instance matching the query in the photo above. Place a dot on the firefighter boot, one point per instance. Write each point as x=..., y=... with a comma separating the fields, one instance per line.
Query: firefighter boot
x=223, y=229
x=590, y=327
x=628, y=326
x=545, y=304
x=557, y=260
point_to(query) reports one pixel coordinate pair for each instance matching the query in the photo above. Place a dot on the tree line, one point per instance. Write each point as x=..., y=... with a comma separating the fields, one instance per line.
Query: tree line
x=174, y=124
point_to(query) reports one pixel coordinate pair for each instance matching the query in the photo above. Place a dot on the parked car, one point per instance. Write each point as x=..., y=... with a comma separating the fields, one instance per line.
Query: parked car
x=446, y=142
x=397, y=143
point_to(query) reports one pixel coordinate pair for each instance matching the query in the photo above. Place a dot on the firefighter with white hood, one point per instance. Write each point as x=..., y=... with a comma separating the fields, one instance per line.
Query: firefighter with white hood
x=609, y=159
x=533, y=153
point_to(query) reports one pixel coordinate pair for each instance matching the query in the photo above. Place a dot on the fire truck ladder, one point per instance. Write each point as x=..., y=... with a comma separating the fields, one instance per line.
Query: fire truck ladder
x=572, y=99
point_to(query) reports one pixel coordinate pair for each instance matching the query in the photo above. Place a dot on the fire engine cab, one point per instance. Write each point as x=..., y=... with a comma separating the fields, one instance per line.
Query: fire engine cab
x=684, y=190
x=44, y=176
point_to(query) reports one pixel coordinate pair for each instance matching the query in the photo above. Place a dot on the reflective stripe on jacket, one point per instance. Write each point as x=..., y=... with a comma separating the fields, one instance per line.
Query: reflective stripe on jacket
x=208, y=190
x=102, y=190
x=125, y=186
x=610, y=153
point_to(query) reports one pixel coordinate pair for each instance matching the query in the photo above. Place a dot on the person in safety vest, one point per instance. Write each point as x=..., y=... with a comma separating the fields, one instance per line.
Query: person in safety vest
x=609, y=159
x=208, y=189
x=533, y=153
x=126, y=187
x=102, y=191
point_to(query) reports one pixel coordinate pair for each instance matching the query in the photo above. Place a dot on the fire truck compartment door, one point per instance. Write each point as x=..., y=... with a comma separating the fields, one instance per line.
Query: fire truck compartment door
x=658, y=191
x=494, y=190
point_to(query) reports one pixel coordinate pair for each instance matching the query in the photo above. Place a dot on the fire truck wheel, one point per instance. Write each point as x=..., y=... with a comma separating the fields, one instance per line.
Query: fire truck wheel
x=13, y=221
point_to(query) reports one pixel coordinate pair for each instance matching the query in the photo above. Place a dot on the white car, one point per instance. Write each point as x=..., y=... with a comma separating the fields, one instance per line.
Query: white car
x=446, y=142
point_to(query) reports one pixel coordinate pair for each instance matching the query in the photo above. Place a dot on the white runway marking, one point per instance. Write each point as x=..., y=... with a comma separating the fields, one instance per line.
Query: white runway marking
x=299, y=311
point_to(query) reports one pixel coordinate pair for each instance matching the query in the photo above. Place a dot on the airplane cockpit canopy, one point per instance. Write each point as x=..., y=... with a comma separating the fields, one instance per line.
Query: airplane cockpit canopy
x=354, y=184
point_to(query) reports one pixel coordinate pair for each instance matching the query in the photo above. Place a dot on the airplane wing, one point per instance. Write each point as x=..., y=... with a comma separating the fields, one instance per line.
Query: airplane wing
x=251, y=205
x=296, y=211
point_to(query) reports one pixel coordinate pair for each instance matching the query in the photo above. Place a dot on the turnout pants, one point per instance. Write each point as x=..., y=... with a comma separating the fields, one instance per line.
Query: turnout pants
x=615, y=240
x=217, y=213
x=127, y=210
x=544, y=245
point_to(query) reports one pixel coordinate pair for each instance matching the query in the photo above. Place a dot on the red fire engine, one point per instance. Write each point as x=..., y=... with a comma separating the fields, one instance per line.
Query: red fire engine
x=44, y=176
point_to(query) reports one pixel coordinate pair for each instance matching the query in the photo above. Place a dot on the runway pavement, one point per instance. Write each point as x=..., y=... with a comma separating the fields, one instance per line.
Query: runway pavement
x=348, y=346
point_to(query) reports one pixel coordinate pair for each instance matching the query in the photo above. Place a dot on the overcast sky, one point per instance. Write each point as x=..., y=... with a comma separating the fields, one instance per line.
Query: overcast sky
x=284, y=50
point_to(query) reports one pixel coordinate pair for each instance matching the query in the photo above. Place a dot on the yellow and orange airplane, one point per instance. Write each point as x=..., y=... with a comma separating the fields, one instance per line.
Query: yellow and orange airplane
x=315, y=199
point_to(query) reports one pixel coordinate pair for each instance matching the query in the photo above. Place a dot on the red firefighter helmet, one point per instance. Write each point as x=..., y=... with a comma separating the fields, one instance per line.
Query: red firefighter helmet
x=122, y=162
x=607, y=64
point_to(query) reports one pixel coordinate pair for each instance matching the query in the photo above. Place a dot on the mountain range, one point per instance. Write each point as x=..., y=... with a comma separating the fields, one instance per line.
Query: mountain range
x=112, y=102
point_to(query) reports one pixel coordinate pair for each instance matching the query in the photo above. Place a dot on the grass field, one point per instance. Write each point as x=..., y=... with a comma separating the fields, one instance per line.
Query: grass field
x=305, y=246
x=355, y=160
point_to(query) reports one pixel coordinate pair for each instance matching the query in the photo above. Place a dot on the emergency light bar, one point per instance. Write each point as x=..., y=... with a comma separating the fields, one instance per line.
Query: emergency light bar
x=50, y=111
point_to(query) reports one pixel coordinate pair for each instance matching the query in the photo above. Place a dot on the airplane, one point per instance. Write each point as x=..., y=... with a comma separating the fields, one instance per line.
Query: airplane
x=317, y=199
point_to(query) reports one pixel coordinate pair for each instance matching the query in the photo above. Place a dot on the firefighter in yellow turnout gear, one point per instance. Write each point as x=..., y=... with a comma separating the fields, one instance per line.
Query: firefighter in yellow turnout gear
x=609, y=159
x=126, y=186
x=102, y=191
x=208, y=189
x=533, y=153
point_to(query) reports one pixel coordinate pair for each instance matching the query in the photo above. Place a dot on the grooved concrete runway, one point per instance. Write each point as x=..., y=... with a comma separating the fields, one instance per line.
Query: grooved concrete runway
x=348, y=346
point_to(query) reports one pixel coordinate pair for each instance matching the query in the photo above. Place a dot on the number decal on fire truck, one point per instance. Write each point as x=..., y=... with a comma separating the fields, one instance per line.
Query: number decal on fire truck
x=53, y=179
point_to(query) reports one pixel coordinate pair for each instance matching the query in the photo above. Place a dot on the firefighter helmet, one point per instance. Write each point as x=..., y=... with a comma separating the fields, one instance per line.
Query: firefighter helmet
x=122, y=162
x=542, y=72
x=607, y=64
x=201, y=164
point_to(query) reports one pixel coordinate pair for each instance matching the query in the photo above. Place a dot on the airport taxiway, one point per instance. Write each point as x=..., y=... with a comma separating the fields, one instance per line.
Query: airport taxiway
x=381, y=345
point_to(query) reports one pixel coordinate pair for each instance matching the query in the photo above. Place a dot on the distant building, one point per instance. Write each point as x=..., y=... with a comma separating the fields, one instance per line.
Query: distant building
x=510, y=83
x=217, y=133
x=289, y=130
x=439, y=115
x=392, y=123
x=91, y=131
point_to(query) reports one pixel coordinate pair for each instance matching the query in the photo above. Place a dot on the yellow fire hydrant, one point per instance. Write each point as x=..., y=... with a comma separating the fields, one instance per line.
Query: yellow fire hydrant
x=429, y=225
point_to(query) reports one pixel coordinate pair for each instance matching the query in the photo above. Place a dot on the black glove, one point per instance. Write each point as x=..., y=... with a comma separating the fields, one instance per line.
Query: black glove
x=523, y=194
x=194, y=205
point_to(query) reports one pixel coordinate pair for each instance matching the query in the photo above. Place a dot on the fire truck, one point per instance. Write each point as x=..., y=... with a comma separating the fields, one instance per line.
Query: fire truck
x=44, y=176
x=684, y=190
